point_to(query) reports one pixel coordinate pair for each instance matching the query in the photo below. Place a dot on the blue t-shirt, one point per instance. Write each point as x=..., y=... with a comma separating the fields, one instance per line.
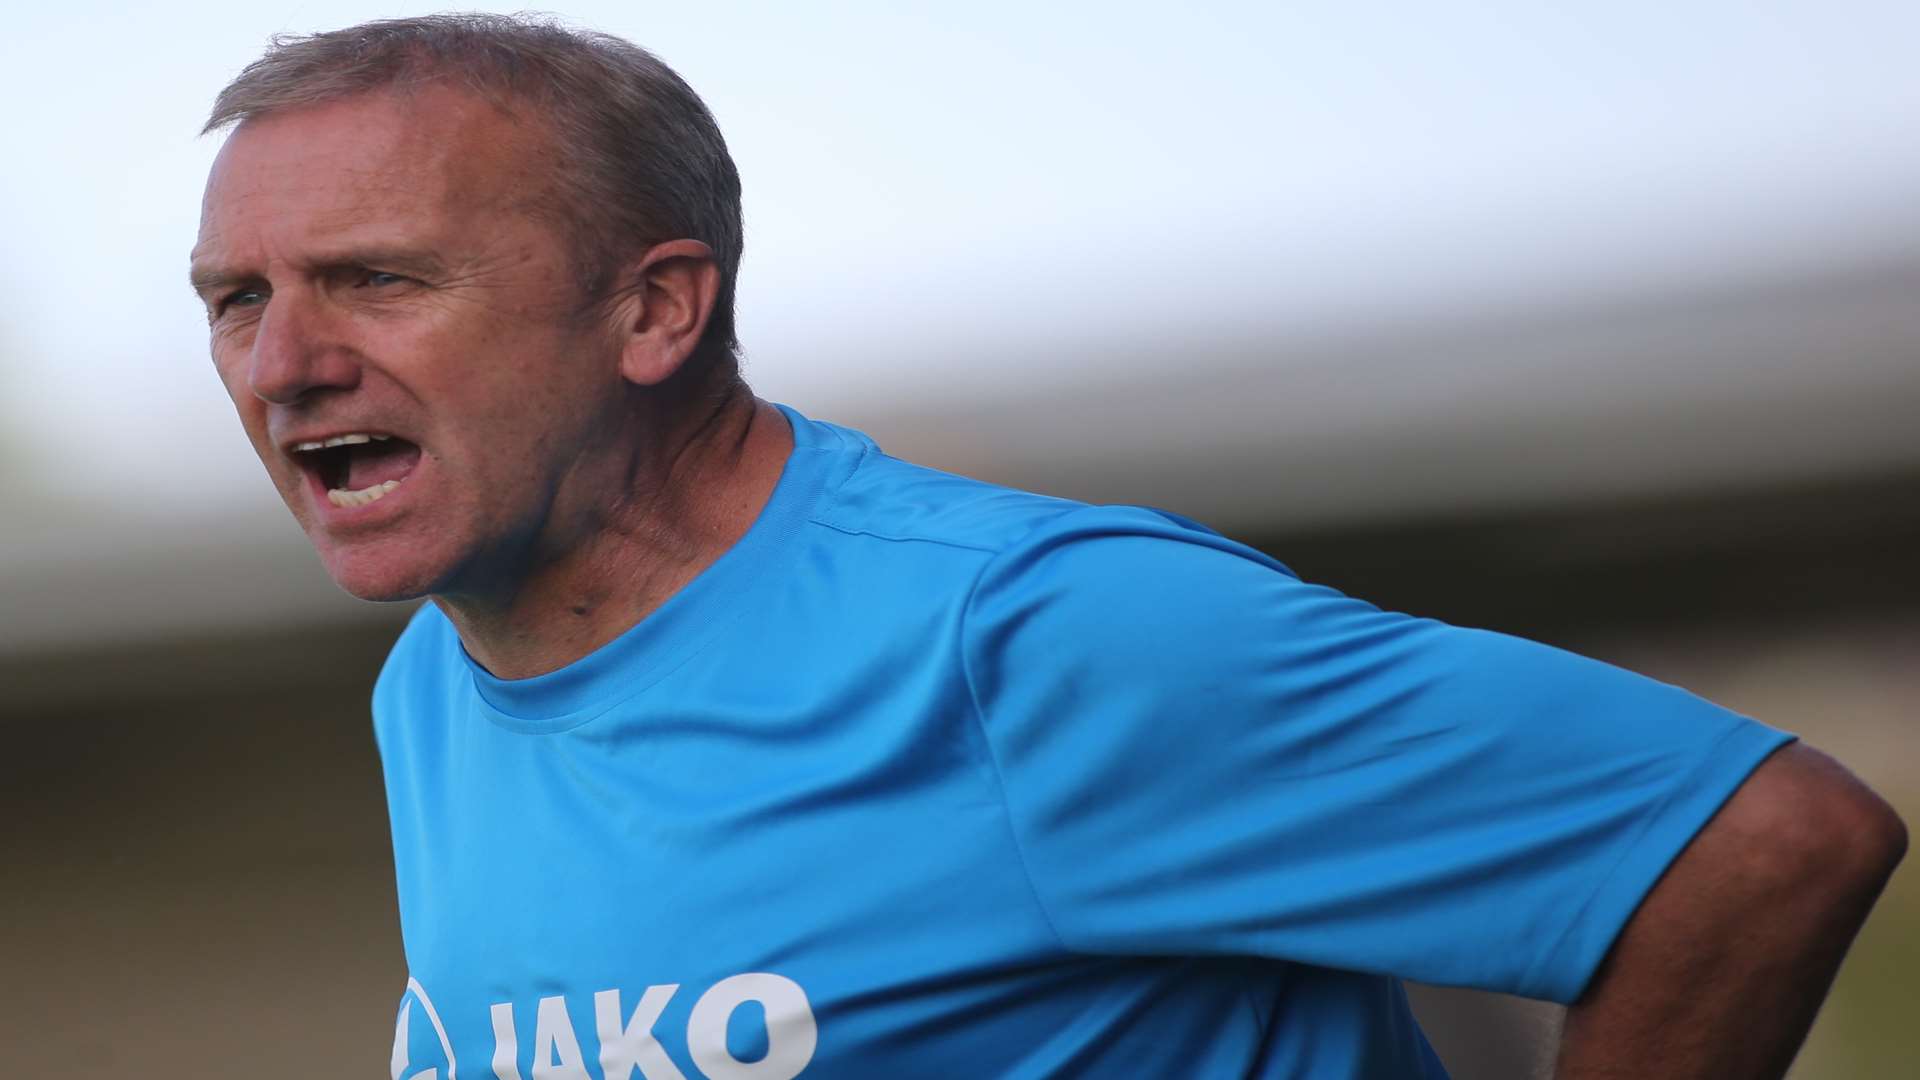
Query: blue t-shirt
x=927, y=777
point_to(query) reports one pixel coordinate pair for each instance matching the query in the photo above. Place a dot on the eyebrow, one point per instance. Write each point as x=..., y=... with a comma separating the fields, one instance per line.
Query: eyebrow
x=206, y=279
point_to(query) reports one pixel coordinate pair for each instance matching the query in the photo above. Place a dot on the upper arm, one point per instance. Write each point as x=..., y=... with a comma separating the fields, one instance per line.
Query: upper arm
x=1722, y=968
x=1201, y=753
x=1801, y=814
x=1801, y=838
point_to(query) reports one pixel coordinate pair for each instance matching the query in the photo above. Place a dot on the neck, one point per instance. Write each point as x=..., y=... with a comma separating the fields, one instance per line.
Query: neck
x=676, y=505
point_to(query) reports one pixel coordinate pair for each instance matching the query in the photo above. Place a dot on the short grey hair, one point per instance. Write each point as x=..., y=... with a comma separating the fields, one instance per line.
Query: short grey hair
x=644, y=160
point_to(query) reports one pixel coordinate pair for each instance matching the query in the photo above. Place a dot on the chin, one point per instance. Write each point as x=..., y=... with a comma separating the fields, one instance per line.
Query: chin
x=379, y=576
x=379, y=592
x=376, y=588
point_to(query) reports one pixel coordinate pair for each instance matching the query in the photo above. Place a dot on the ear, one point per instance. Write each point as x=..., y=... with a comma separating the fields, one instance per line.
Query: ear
x=664, y=309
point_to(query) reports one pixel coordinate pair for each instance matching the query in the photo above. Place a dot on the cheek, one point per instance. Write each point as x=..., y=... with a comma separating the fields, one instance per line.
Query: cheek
x=230, y=364
x=502, y=403
x=231, y=367
x=250, y=409
x=528, y=392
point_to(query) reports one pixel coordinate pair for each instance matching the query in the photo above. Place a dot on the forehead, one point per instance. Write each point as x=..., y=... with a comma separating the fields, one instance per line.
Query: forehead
x=431, y=159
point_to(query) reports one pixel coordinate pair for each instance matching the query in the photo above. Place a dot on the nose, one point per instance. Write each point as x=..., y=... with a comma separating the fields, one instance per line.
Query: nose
x=297, y=351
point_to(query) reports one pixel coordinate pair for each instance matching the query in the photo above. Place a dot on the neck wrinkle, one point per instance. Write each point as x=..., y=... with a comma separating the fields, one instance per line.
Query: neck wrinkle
x=660, y=536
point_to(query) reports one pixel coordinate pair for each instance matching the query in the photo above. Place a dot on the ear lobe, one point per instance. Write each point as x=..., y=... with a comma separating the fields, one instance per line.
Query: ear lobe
x=665, y=311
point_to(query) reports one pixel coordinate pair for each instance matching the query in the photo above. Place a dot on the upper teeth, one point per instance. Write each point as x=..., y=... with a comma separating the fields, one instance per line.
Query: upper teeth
x=340, y=440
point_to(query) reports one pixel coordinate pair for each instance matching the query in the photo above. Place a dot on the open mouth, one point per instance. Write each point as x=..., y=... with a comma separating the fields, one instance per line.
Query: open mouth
x=359, y=468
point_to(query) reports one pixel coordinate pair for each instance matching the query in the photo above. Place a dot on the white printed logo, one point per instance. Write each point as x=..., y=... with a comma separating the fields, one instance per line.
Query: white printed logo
x=416, y=1000
x=627, y=1042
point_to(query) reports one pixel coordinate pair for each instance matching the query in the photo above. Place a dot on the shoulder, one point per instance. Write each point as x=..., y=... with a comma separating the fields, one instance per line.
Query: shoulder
x=889, y=499
x=886, y=498
x=873, y=494
x=1101, y=569
x=1010, y=541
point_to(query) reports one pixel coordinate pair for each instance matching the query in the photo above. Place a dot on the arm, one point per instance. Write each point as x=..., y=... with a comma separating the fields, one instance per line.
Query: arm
x=1720, y=971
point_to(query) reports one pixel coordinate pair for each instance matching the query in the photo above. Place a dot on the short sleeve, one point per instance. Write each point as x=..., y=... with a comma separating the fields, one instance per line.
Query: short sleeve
x=1202, y=754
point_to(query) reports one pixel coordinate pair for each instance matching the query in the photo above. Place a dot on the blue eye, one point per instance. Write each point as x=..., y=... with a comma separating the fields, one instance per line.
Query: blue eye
x=240, y=298
x=378, y=278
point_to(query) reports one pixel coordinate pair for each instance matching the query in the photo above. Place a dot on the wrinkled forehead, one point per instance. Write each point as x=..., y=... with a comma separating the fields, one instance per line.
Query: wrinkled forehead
x=426, y=150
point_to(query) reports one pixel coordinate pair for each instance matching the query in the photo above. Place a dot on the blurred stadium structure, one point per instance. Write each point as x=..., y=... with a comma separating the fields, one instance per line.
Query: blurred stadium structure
x=1671, y=419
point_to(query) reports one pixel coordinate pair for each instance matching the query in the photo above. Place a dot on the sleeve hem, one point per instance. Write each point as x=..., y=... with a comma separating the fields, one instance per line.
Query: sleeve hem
x=1567, y=968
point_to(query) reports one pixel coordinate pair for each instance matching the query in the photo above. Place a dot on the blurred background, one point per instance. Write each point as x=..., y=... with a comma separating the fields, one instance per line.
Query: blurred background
x=1594, y=322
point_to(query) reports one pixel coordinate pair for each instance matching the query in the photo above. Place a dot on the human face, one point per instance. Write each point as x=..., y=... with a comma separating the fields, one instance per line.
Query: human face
x=371, y=268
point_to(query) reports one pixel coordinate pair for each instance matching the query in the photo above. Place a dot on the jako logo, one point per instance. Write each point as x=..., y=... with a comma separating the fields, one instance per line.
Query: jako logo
x=627, y=1041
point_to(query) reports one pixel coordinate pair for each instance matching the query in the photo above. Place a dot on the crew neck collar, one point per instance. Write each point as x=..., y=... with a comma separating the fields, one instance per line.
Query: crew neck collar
x=639, y=657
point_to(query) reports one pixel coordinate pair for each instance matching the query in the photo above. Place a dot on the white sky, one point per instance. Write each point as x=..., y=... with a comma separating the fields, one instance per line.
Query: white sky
x=956, y=200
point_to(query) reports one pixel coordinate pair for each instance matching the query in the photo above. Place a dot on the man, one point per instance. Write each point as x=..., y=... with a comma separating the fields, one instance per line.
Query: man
x=730, y=746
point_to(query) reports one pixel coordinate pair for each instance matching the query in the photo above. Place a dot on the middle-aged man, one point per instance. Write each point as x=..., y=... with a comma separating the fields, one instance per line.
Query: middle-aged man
x=731, y=746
